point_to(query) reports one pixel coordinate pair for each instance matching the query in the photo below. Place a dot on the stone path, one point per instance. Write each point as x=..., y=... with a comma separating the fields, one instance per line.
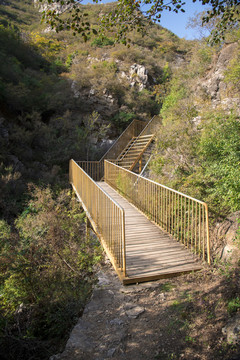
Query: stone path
x=161, y=320
x=103, y=331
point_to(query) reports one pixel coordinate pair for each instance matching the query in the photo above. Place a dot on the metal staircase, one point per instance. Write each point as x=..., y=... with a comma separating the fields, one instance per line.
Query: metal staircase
x=134, y=151
x=115, y=198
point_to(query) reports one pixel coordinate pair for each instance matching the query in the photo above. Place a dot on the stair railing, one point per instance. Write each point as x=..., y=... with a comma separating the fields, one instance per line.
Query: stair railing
x=151, y=126
x=133, y=129
x=182, y=216
x=96, y=168
x=106, y=216
x=149, y=129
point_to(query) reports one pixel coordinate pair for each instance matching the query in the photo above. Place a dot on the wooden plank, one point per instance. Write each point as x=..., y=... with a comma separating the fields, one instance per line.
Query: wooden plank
x=151, y=253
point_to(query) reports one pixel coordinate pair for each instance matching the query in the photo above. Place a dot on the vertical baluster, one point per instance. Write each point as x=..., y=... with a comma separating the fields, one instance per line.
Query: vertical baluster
x=171, y=212
x=200, y=228
x=178, y=216
x=203, y=241
x=181, y=221
x=167, y=212
x=188, y=222
x=165, y=209
x=192, y=224
x=195, y=242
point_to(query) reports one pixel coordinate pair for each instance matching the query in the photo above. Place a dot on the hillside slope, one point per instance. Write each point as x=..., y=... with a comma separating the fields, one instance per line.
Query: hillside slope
x=60, y=98
x=197, y=150
x=64, y=98
x=50, y=85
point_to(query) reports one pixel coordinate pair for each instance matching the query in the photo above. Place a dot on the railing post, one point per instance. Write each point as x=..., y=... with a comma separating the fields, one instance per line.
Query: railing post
x=124, y=245
x=70, y=172
x=140, y=165
x=207, y=231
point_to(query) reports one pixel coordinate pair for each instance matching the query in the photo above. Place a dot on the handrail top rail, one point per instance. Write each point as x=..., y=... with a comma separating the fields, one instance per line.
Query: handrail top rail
x=107, y=195
x=86, y=161
x=134, y=120
x=154, y=182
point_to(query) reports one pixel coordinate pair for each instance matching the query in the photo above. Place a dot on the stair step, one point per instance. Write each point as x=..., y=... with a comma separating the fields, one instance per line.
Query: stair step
x=142, y=136
x=141, y=142
x=135, y=152
x=133, y=149
x=132, y=155
x=138, y=145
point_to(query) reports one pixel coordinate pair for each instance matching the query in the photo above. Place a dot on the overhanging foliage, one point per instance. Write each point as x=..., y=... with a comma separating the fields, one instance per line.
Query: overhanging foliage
x=131, y=14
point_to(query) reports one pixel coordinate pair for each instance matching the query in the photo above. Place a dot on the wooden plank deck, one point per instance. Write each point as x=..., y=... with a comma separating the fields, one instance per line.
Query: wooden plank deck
x=150, y=252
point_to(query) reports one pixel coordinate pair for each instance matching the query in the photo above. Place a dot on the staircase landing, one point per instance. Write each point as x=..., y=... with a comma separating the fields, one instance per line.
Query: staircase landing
x=150, y=252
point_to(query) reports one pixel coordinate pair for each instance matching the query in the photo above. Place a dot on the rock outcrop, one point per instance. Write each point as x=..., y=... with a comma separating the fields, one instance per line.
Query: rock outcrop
x=232, y=330
x=137, y=76
x=226, y=238
x=104, y=102
x=214, y=85
x=59, y=8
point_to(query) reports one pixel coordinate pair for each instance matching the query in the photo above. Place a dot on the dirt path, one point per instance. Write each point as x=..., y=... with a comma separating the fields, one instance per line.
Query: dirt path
x=181, y=318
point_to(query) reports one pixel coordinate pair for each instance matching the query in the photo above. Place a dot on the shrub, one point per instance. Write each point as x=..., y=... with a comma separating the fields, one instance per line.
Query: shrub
x=46, y=267
x=232, y=74
x=121, y=119
x=201, y=160
x=219, y=153
x=233, y=305
x=102, y=41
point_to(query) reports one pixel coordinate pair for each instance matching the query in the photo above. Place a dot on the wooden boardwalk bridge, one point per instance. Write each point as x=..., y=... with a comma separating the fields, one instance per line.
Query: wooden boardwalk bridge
x=147, y=230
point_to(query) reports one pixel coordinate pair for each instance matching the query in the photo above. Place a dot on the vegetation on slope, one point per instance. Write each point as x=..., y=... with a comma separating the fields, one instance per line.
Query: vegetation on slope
x=46, y=262
x=46, y=265
x=197, y=149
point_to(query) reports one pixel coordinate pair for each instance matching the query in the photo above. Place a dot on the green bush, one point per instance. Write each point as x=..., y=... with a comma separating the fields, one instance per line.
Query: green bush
x=219, y=154
x=233, y=305
x=121, y=119
x=46, y=267
x=170, y=107
x=201, y=161
x=232, y=74
x=102, y=41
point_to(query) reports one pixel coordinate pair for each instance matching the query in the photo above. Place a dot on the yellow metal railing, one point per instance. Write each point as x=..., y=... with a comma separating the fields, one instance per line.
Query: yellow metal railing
x=149, y=129
x=133, y=130
x=95, y=169
x=182, y=216
x=106, y=216
x=151, y=126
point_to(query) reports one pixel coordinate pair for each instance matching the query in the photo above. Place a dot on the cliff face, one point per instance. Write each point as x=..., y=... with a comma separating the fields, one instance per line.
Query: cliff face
x=51, y=84
x=214, y=84
x=57, y=7
x=197, y=148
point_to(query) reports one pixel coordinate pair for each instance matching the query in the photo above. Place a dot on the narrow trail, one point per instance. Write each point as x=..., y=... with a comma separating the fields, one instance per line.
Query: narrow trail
x=181, y=318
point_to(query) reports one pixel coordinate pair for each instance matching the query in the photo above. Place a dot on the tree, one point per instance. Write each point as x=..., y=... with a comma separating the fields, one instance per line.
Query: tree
x=91, y=133
x=204, y=30
x=131, y=14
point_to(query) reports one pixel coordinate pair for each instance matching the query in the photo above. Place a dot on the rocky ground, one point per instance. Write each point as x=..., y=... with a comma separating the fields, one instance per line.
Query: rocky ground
x=187, y=317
